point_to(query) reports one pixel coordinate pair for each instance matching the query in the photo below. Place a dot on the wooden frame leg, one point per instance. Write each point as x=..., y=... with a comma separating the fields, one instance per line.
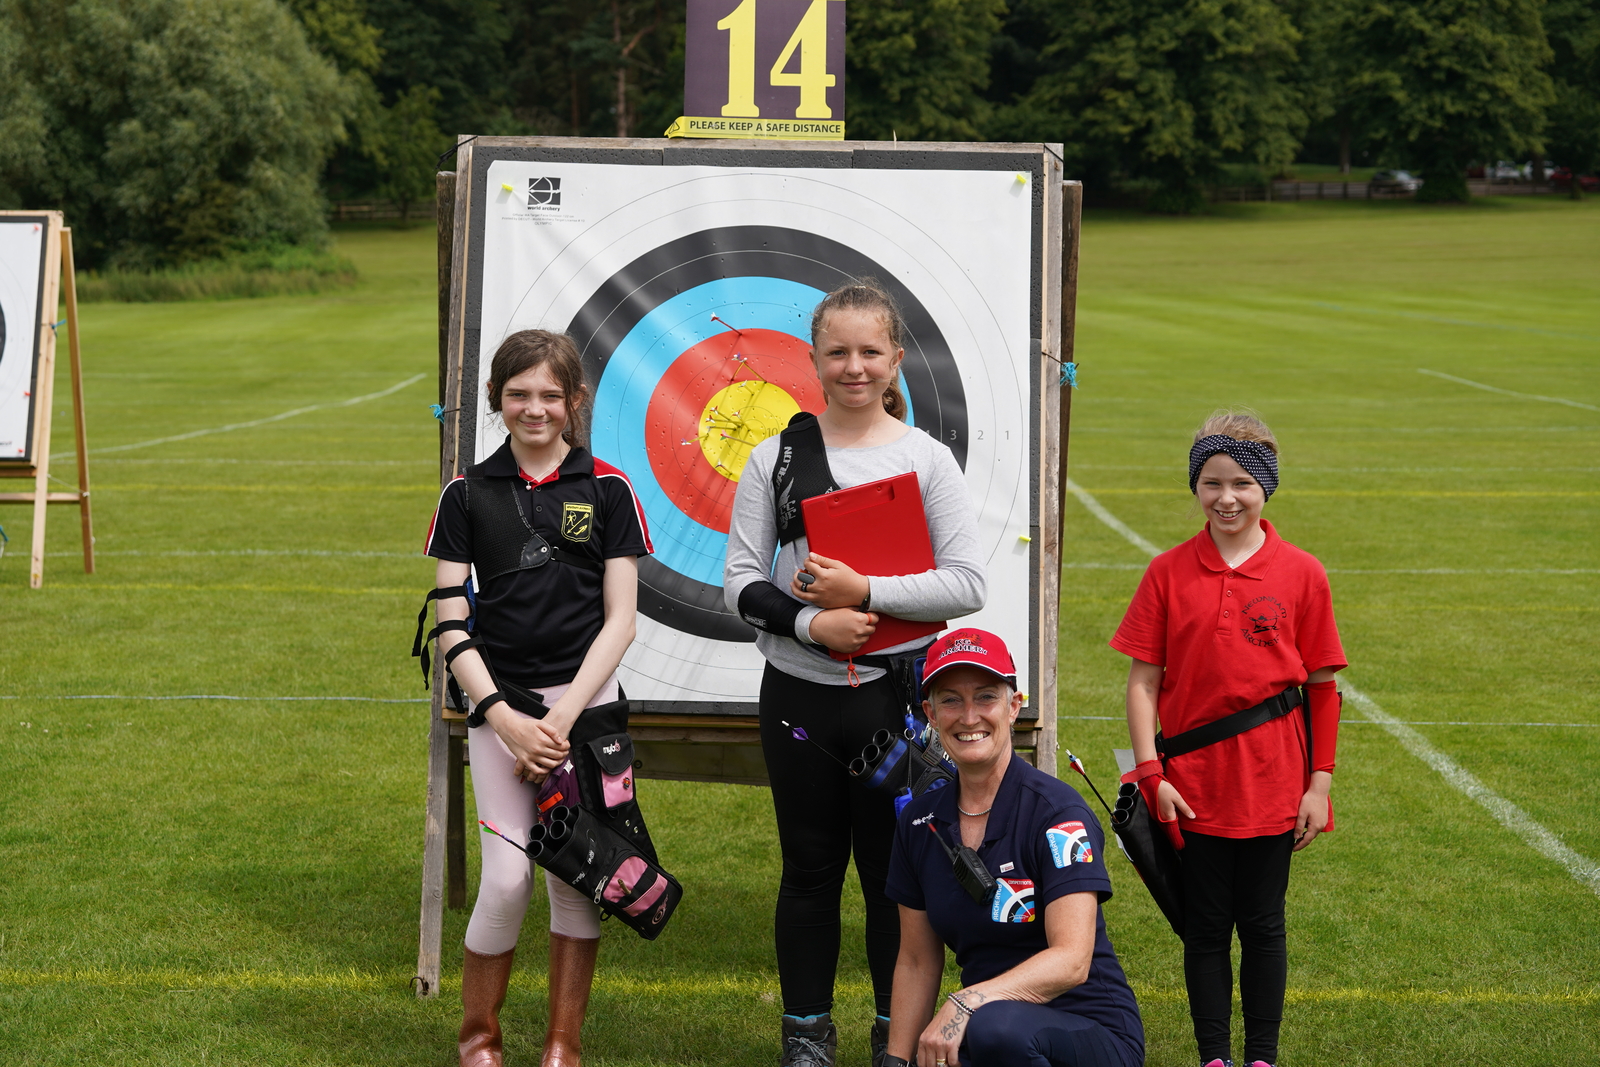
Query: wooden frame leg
x=456, y=827
x=433, y=859
x=41, y=503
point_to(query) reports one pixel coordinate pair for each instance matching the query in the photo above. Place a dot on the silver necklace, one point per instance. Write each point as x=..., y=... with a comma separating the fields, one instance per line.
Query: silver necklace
x=974, y=814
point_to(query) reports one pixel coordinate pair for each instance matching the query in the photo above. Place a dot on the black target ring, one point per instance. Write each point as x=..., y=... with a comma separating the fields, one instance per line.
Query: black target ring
x=938, y=400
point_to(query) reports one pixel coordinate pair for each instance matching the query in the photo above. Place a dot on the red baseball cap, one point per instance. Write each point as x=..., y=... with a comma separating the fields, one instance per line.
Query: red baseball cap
x=969, y=648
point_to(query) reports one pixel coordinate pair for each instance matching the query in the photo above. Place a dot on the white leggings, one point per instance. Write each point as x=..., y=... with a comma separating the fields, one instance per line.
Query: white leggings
x=507, y=883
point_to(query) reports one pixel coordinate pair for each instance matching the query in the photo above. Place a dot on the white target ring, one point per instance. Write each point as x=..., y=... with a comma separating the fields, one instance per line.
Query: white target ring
x=634, y=261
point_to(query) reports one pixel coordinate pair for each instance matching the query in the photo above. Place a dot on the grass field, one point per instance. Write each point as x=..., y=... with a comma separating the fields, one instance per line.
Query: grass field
x=223, y=881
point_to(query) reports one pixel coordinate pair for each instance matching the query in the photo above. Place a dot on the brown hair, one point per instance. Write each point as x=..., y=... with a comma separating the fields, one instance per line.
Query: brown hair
x=865, y=294
x=1241, y=424
x=527, y=349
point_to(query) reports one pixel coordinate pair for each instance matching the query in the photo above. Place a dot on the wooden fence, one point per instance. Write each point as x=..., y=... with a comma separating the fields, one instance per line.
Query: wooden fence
x=352, y=210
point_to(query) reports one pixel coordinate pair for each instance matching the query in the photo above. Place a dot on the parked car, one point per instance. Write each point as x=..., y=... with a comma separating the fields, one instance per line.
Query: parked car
x=1506, y=171
x=1399, y=180
x=1561, y=178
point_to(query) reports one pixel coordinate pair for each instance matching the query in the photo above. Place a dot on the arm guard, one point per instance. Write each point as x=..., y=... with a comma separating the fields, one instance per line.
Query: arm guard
x=764, y=606
x=1325, y=703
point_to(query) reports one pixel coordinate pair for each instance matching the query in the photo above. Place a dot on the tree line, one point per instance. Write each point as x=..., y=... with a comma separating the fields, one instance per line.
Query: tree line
x=172, y=130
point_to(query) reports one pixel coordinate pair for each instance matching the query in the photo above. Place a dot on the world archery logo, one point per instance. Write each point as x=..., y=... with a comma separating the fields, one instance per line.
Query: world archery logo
x=1262, y=617
x=1013, y=901
x=577, y=521
x=1069, y=843
x=544, y=192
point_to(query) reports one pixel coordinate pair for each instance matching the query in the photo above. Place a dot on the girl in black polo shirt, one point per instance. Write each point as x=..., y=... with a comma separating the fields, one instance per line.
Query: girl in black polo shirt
x=558, y=629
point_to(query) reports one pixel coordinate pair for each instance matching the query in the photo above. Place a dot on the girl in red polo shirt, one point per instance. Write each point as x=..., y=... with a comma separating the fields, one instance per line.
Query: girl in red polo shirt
x=1234, y=618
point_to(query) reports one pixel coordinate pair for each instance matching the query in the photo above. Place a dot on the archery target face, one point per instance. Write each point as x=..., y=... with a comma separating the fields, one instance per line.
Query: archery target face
x=22, y=247
x=689, y=291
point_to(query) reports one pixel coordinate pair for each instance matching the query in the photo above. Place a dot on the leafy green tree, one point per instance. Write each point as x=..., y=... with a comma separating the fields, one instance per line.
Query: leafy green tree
x=1573, y=136
x=1441, y=83
x=173, y=129
x=916, y=69
x=1155, y=90
x=406, y=146
x=455, y=46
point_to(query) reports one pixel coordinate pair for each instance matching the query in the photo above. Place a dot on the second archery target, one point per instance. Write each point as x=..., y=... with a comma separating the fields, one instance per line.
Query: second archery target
x=689, y=291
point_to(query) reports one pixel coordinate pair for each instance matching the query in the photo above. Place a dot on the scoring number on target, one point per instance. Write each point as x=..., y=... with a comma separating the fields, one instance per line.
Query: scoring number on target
x=810, y=37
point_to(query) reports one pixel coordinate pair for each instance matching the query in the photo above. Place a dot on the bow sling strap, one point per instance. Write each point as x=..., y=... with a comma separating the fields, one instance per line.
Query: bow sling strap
x=1274, y=707
x=800, y=473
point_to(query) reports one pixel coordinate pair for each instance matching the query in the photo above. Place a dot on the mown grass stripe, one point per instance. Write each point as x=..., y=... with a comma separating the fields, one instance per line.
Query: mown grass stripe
x=1509, y=815
x=182, y=981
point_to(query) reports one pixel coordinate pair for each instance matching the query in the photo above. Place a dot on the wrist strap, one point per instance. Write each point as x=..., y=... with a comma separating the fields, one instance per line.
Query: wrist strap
x=477, y=716
x=1149, y=768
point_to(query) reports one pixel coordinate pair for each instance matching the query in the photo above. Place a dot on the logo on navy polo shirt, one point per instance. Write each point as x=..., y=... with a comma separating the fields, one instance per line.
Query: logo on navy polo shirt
x=577, y=521
x=1069, y=843
x=1261, y=618
x=1013, y=901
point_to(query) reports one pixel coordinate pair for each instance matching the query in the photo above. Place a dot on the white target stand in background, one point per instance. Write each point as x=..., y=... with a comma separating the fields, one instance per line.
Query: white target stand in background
x=687, y=273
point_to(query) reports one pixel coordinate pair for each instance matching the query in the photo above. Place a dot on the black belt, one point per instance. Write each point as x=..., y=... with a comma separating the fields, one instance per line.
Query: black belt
x=1274, y=707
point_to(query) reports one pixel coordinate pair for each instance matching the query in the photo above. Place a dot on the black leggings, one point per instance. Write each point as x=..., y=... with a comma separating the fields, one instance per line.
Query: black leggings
x=823, y=816
x=1230, y=882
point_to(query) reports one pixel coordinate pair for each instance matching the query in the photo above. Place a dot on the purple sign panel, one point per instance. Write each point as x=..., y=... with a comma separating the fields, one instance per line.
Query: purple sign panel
x=763, y=68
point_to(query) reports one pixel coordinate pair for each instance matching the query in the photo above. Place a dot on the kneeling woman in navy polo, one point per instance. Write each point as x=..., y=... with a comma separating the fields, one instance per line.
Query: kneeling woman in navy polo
x=1041, y=983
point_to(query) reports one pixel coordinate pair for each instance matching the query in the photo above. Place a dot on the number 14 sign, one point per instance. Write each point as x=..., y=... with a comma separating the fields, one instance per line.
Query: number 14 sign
x=764, y=69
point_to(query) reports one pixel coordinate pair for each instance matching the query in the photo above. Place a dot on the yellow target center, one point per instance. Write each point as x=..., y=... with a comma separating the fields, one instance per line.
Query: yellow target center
x=739, y=417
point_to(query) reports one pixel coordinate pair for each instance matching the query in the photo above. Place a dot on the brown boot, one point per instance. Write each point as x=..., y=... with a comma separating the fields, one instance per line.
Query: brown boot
x=571, y=975
x=483, y=991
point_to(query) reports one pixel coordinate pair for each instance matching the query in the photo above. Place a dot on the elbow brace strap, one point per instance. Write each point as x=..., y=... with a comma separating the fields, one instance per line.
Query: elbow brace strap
x=460, y=647
x=764, y=606
x=1325, y=703
x=419, y=644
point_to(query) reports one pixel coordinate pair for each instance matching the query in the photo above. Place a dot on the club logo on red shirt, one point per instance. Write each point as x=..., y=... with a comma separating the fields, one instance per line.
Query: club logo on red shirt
x=1261, y=619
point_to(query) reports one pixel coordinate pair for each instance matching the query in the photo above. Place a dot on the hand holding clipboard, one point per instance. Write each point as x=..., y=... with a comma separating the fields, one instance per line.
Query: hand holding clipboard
x=876, y=529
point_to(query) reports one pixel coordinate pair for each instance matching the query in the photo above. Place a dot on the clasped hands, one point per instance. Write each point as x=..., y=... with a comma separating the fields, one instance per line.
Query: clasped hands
x=538, y=745
x=838, y=590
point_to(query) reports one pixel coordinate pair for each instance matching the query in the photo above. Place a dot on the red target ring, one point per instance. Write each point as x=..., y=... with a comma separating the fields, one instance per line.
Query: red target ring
x=741, y=365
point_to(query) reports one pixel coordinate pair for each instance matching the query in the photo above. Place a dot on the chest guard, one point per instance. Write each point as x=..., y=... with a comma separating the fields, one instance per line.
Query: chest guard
x=503, y=537
x=800, y=473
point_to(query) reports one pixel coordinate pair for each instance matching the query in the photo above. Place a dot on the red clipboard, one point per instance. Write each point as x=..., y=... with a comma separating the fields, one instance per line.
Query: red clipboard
x=881, y=529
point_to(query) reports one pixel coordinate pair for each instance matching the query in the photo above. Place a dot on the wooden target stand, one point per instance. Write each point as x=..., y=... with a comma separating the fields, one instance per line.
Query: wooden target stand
x=727, y=747
x=60, y=279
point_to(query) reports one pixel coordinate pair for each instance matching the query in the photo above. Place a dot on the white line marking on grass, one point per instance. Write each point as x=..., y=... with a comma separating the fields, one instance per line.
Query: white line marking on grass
x=1098, y=511
x=1509, y=392
x=253, y=422
x=1513, y=818
x=216, y=696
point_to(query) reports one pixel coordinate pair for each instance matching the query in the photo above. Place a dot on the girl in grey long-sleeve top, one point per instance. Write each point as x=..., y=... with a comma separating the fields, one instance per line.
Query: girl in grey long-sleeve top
x=813, y=719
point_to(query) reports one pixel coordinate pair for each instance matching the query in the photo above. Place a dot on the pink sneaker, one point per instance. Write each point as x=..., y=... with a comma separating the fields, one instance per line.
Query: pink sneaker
x=1218, y=1063
x=1258, y=1063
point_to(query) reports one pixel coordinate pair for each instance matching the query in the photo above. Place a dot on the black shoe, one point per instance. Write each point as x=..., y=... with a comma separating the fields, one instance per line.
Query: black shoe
x=809, y=1042
x=880, y=1040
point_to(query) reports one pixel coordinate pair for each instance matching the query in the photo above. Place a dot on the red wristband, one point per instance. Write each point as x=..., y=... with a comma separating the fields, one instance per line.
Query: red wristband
x=1144, y=770
x=1325, y=703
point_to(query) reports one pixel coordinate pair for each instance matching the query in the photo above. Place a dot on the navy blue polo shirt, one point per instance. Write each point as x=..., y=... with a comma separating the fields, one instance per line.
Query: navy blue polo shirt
x=1042, y=842
x=538, y=624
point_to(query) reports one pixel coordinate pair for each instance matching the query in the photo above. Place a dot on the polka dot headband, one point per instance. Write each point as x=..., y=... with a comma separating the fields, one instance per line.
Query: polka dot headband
x=1259, y=461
